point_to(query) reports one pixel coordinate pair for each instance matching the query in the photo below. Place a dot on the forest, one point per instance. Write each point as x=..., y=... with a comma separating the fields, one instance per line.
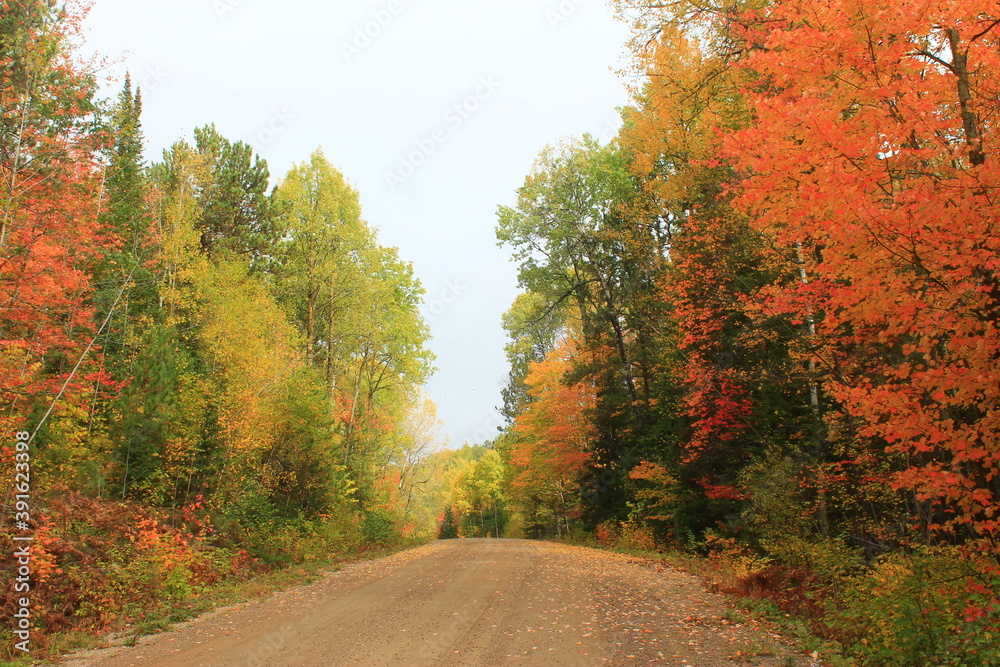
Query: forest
x=203, y=376
x=759, y=327
x=761, y=323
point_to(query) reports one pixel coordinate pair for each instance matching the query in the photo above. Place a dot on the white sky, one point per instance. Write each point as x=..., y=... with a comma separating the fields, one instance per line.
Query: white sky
x=289, y=76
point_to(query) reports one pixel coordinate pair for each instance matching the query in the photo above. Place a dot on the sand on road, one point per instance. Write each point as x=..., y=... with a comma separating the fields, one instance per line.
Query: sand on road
x=470, y=602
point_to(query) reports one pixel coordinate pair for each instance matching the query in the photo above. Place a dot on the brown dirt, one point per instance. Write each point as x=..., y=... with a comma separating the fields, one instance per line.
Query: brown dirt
x=470, y=602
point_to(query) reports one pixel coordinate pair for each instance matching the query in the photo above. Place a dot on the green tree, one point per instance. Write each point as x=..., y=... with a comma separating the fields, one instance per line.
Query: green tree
x=449, y=527
x=233, y=204
x=533, y=327
x=125, y=181
x=485, y=491
x=587, y=261
x=318, y=216
x=357, y=304
x=234, y=201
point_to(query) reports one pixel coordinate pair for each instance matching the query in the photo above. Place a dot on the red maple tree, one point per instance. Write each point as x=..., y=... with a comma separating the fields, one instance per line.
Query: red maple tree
x=873, y=153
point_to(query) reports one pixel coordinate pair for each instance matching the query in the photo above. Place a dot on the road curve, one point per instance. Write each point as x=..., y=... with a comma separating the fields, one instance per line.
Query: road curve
x=468, y=602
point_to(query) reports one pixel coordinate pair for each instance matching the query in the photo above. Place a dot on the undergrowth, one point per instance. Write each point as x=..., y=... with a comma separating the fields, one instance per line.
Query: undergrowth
x=923, y=606
x=102, y=569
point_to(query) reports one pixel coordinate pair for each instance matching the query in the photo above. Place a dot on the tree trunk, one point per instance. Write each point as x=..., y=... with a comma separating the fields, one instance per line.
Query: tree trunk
x=970, y=123
x=310, y=322
x=330, y=380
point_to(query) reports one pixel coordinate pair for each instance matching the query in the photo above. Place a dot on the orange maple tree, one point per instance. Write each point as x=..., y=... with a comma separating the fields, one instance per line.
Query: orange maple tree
x=555, y=429
x=50, y=196
x=872, y=164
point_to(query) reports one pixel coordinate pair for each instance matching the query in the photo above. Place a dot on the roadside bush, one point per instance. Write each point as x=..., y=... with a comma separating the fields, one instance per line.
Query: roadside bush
x=378, y=527
x=579, y=535
x=319, y=538
x=735, y=559
x=938, y=606
x=275, y=544
x=608, y=533
x=514, y=528
x=627, y=536
x=634, y=536
x=831, y=560
x=98, y=564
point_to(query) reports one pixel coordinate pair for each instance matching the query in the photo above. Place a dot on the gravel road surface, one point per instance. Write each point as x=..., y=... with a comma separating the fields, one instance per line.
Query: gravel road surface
x=470, y=602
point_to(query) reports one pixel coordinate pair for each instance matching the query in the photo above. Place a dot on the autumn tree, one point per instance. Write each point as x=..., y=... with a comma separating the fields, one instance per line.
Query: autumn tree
x=233, y=374
x=533, y=327
x=162, y=410
x=553, y=440
x=415, y=458
x=585, y=260
x=50, y=199
x=319, y=217
x=357, y=305
x=564, y=233
x=879, y=187
x=480, y=495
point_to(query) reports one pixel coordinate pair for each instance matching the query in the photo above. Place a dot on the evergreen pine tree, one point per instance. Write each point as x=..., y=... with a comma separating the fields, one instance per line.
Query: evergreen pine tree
x=449, y=529
x=234, y=202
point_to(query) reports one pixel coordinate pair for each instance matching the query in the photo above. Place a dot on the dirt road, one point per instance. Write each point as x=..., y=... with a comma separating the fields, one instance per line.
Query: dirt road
x=469, y=602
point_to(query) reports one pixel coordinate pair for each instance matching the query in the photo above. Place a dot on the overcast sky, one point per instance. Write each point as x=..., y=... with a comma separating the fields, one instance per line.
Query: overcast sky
x=433, y=109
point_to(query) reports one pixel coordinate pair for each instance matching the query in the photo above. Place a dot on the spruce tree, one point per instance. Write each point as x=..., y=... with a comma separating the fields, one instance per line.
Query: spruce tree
x=449, y=529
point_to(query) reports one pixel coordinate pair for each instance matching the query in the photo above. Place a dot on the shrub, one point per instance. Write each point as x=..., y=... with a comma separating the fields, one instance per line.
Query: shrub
x=378, y=527
x=937, y=606
x=608, y=533
x=634, y=536
x=98, y=564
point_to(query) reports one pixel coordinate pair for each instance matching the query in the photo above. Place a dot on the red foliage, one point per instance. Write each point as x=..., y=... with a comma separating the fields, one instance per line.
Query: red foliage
x=555, y=428
x=50, y=195
x=874, y=150
x=95, y=562
x=707, y=292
